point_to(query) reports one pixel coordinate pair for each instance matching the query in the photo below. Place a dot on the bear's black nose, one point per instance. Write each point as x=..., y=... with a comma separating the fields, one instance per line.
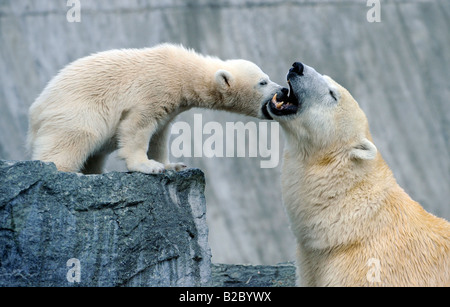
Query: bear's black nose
x=298, y=68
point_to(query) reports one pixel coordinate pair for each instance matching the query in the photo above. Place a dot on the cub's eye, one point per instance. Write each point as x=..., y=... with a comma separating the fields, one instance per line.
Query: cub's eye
x=263, y=83
x=333, y=95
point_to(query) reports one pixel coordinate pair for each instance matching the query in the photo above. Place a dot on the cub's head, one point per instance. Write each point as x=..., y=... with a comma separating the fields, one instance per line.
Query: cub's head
x=320, y=115
x=245, y=88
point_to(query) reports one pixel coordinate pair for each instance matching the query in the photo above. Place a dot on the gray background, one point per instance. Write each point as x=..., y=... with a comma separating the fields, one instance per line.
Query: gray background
x=398, y=70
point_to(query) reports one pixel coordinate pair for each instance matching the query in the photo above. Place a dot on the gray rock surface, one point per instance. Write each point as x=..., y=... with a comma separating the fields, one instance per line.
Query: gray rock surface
x=228, y=275
x=397, y=69
x=126, y=229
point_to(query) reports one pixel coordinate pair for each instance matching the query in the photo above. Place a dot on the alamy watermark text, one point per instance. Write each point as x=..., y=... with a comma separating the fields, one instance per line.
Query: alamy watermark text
x=235, y=139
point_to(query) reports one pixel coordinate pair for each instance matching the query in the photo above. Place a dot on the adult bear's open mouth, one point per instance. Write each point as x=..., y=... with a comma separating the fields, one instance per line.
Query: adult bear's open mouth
x=287, y=105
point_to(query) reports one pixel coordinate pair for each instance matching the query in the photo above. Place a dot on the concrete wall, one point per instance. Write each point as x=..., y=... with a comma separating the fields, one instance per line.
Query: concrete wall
x=397, y=69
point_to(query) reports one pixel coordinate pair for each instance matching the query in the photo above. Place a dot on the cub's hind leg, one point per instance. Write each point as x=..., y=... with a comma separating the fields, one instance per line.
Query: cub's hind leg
x=69, y=150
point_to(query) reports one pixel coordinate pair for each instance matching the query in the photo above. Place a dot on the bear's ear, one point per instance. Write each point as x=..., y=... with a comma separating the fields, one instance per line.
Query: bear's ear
x=224, y=79
x=364, y=150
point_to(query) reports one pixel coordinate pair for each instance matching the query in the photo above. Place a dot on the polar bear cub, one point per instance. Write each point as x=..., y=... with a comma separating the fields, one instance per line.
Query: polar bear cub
x=354, y=225
x=126, y=99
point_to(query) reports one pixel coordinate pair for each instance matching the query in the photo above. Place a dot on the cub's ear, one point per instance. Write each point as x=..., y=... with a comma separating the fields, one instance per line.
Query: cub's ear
x=224, y=79
x=364, y=150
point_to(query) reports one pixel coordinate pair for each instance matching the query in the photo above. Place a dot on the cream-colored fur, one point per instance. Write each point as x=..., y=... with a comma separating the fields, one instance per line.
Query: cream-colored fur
x=355, y=226
x=126, y=99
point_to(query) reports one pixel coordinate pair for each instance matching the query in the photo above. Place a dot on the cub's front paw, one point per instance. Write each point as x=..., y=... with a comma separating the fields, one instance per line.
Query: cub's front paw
x=175, y=166
x=147, y=167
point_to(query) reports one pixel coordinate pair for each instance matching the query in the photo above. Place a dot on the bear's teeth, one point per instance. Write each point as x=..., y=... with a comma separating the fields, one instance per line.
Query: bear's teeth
x=274, y=99
x=279, y=105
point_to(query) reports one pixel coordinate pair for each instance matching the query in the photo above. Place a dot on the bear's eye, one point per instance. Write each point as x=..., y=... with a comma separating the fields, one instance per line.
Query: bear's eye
x=263, y=83
x=333, y=95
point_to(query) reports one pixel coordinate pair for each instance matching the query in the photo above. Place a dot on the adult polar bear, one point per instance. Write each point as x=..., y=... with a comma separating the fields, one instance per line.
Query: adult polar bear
x=354, y=225
x=126, y=99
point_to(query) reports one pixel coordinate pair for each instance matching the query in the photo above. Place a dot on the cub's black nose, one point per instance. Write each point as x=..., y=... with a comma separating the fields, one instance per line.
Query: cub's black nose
x=298, y=68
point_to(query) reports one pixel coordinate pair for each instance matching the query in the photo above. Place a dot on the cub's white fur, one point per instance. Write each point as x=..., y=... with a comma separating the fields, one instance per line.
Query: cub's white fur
x=126, y=99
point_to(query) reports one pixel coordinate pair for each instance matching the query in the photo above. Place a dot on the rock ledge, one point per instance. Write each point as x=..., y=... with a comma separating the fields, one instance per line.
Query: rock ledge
x=122, y=229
